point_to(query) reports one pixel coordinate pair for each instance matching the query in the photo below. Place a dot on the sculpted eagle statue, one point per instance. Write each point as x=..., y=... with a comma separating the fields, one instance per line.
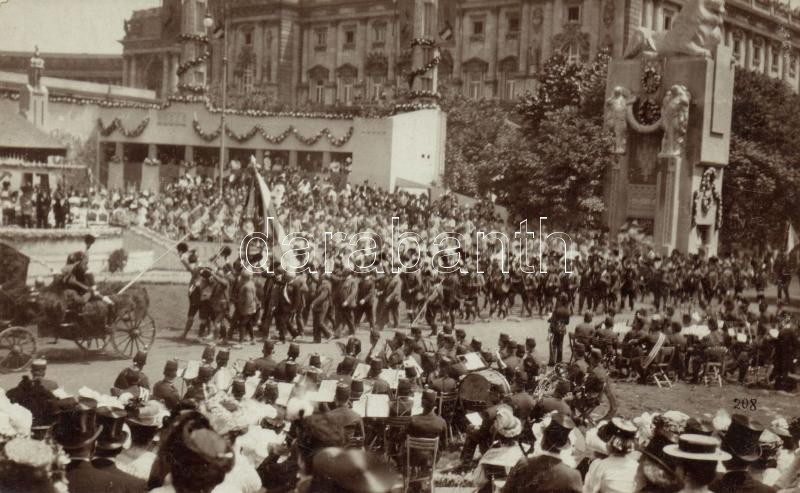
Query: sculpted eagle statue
x=696, y=31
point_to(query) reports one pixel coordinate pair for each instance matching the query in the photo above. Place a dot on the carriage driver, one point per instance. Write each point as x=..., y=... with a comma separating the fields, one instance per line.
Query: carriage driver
x=76, y=278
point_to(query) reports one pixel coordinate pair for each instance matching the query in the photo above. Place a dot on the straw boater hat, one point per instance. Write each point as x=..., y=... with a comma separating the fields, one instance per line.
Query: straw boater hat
x=506, y=424
x=697, y=447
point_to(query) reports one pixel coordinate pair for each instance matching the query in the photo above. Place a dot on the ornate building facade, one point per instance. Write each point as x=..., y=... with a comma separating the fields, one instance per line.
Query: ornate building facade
x=327, y=52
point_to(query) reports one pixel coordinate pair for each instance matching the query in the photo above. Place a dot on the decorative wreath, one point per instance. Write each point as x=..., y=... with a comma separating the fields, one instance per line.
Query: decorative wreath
x=651, y=79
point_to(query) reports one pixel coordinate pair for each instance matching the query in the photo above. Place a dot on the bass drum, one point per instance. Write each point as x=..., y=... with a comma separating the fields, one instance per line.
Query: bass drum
x=482, y=388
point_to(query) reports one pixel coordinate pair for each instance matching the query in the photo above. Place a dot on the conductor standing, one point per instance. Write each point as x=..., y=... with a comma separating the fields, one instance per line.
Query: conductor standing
x=558, y=327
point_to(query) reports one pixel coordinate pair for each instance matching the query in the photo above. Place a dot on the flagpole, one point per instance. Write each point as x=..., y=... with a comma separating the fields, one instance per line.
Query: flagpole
x=224, y=103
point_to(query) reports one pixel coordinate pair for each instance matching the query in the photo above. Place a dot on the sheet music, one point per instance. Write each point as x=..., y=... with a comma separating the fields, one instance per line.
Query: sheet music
x=390, y=376
x=473, y=361
x=361, y=371
x=360, y=406
x=326, y=391
x=377, y=406
x=474, y=419
x=284, y=393
x=416, y=408
x=191, y=371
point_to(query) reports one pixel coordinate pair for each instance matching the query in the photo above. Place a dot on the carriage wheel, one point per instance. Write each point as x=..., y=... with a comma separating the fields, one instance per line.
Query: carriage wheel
x=92, y=344
x=130, y=335
x=17, y=349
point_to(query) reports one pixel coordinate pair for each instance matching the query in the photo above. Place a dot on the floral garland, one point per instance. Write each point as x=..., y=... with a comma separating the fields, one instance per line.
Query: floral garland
x=116, y=124
x=425, y=94
x=422, y=42
x=428, y=66
x=9, y=94
x=193, y=88
x=651, y=79
x=189, y=99
x=105, y=103
x=706, y=196
x=406, y=107
x=200, y=38
x=185, y=66
x=273, y=139
x=648, y=111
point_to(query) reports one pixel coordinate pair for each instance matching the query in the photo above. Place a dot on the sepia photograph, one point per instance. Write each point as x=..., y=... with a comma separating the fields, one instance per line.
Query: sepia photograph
x=394, y=246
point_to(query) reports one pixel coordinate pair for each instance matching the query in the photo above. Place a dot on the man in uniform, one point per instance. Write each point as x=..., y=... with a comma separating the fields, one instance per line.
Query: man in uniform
x=442, y=380
x=320, y=306
x=344, y=417
x=164, y=390
x=266, y=364
x=428, y=424
x=377, y=347
x=132, y=376
x=35, y=393
x=558, y=327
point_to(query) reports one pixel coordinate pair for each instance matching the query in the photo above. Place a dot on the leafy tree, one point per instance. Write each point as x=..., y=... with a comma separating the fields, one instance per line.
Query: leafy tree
x=761, y=184
x=564, y=180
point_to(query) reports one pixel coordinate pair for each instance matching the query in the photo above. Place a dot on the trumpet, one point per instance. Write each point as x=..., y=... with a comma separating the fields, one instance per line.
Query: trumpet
x=223, y=252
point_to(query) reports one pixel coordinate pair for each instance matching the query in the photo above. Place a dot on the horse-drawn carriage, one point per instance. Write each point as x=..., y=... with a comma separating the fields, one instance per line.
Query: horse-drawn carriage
x=119, y=320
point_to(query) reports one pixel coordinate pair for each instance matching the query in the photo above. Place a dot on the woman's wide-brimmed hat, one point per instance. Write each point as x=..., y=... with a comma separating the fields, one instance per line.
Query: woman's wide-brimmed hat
x=697, y=447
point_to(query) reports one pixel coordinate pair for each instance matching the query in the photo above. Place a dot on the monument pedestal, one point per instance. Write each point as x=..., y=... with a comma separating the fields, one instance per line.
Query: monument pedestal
x=671, y=119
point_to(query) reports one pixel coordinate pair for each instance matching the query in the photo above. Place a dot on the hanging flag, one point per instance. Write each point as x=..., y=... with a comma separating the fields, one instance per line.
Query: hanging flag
x=447, y=33
x=791, y=239
x=273, y=228
x=219, y=30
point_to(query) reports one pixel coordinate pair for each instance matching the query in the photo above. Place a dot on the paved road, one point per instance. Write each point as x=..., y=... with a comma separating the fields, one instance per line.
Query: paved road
x=72, y=368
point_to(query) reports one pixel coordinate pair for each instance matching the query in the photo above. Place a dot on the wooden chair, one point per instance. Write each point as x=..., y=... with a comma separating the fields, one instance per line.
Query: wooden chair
x=759, y=372
x=394, y=435
x=421, y=456
x=714, y=366
x=662, y=366
x=446, y=406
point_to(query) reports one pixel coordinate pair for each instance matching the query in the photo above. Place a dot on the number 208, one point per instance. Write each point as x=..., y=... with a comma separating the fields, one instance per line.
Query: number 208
x=745, y=404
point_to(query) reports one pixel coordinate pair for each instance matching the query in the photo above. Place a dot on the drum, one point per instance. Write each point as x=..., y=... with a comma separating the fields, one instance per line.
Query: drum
x=482, y=388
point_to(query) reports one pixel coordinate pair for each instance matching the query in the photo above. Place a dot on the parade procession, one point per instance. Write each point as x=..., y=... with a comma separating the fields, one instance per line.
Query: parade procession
x=368, y=246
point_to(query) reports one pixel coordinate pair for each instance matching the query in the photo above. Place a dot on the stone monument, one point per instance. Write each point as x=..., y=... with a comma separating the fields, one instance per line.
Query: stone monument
x=669, y=108
x=34, y=97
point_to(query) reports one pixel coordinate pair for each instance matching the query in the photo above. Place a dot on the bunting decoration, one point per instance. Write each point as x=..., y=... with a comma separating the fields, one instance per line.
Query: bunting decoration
x=273, y=139
x=116, y=124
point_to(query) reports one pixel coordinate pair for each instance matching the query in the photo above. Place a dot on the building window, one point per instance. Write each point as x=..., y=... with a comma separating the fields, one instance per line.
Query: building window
x=320, y=92
x=322, y=37
x=574, y=52
x=668, y=16
x=477, y=28
x=506, y=86
x=737, y=49
x=757, y=53
x=345, y=90
x=376, y=86
x=349, y=37
x=476, y=85
x=574, y=13
x=513, y=24
x=775, y=59
x=379, y=33
x=247, y=79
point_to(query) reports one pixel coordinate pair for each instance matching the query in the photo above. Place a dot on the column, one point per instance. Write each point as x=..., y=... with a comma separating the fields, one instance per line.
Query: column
x=259, y=153
x=293, y=159
x=124, y=71
x=658, y=16
x=173, y=72
x=524, y=38
x=258, y=41
x=132, y=75
x=326, y=159
x=749, y=57
x=164, y=75
x=188, y=156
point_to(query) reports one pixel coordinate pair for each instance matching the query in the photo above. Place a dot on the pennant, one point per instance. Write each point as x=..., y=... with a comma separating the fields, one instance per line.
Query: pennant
x=791, y=239
x=447, y=33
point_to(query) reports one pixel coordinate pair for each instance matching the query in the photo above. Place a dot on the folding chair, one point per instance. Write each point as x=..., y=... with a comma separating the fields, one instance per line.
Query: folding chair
x=446, y=405
x=394, y=435
x=662, y=366
x=421, y=455
x=714, y=367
